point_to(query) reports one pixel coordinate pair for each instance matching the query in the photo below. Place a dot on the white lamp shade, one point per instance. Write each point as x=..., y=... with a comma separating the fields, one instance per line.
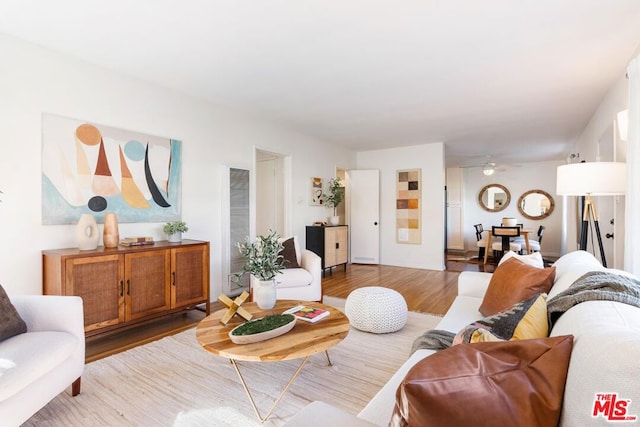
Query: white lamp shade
x=595, y=179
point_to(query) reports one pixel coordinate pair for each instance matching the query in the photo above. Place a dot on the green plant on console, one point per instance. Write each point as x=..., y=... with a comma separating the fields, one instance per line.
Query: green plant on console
x=335, y=194
x=262, y=257
x=264, y=324
x=174, y=227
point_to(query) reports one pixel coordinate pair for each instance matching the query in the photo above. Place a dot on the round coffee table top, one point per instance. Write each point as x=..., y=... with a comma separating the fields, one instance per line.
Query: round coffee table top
x=303, y=340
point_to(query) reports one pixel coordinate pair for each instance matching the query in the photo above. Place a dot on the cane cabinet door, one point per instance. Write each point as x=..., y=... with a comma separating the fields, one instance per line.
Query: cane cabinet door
x=189, y=275
x=146, y=283
x=99, y=281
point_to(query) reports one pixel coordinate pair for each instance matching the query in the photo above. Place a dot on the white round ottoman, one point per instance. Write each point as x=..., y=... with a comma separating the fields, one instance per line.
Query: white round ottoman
x=376, y=309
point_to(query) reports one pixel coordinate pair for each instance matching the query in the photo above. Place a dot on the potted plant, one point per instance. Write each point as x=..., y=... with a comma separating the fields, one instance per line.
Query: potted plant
x=262, y=259
x=333, y=198
x=174, y=230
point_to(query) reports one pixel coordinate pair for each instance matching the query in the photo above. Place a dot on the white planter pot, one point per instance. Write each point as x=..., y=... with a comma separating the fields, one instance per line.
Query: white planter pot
x=264, y=294
x=175, y=238
x=334, y=220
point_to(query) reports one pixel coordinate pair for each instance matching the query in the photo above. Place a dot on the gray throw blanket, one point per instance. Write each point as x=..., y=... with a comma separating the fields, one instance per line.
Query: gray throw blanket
x=434, y=339
x=594, y=286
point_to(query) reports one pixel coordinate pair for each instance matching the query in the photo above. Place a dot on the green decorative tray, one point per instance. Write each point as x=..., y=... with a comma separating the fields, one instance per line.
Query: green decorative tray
x=247, y=333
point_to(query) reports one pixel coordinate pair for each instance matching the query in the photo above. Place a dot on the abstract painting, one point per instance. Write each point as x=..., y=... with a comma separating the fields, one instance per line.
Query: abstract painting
x=408, y=201
x=315, y=197
x=91, y=168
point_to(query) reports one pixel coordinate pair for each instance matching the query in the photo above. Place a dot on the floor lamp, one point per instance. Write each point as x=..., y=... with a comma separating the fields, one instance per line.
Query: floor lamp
x=591, y=179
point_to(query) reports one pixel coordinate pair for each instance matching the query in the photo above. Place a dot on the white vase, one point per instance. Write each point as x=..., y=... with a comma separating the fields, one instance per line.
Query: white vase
x=175, y=237
x=264, y=293
x=334, y=220
x=87, y=234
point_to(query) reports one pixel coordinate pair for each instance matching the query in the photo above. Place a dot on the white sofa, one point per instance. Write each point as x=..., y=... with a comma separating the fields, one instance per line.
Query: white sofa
x=605, y=356
x=304, y=283
x=38, y=365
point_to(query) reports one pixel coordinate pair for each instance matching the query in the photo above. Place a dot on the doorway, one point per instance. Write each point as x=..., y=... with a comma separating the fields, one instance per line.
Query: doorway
x=272, y=198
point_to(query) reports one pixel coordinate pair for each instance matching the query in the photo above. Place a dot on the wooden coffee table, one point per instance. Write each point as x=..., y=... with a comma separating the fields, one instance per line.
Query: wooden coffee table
x=303, y=341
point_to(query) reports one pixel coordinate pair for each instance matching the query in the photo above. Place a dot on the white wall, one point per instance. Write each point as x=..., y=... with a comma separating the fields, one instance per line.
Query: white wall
x=35, y=81
x=429, y=158
x=615, y=100
x=518, y=179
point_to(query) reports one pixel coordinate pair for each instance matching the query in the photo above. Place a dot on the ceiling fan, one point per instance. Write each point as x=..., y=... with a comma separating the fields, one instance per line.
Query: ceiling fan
x=488, y=167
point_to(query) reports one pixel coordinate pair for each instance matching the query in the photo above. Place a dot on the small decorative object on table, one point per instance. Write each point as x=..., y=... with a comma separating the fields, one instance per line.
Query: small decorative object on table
x=509, y=221
x=263, y=260
x=266, y=327
x=137, y=241
x=234, y=307
x=87, y=234
x=174, y=230
x=307, y=313
x=110, y=234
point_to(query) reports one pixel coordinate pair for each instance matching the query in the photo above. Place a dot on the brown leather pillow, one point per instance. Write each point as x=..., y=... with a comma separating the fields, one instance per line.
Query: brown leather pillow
x=289, y=254
x=510, y=383
x=514, y=281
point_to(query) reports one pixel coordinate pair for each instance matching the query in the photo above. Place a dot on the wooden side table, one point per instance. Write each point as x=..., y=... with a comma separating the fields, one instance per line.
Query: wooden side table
x=303, y=341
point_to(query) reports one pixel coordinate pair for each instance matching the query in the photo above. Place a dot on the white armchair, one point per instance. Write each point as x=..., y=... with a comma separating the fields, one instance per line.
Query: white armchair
x=303, y=283
x=38, y=365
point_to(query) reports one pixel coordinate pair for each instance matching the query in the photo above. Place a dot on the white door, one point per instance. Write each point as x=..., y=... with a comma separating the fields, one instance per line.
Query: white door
x=270, y=193
x=455, y=227
x=266, y=196
x=364, y=206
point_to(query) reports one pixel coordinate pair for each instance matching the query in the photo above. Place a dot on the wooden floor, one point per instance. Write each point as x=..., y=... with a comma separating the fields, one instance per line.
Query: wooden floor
x=426, y=291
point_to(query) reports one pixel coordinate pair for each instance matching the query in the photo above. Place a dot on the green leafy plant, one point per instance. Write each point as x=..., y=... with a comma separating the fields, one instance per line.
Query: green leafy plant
x=335, y=194
x=262, y=257
x=174, y=227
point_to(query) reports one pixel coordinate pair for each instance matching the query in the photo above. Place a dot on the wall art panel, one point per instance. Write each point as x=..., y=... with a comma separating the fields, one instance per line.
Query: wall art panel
x=408, y=206
x=315, y=196
x=91, y=168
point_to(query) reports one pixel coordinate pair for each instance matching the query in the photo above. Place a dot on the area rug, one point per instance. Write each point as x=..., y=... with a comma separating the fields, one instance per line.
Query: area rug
x=174, y=382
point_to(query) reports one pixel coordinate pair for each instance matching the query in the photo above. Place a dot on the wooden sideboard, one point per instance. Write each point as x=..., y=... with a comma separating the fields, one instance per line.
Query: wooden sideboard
x=123, y=286
x=330, y=243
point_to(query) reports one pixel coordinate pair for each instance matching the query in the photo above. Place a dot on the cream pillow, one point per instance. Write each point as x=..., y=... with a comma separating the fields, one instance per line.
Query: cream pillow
x=534, y=259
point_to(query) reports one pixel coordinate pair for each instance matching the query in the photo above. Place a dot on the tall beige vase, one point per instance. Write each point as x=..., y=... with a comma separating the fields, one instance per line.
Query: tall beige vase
x=87, y=234
x=110, y=235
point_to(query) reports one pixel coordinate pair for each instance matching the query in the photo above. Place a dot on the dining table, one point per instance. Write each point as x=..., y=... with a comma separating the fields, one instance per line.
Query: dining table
x=523, y=232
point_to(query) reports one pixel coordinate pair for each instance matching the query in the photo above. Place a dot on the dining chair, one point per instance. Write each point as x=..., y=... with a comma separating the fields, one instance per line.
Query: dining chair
x=504, y=244
x=481, y=242
x=534, y=244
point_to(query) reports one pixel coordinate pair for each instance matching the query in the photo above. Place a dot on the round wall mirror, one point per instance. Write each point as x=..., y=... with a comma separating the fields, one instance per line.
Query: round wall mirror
x=494, y=197
x=535, y=204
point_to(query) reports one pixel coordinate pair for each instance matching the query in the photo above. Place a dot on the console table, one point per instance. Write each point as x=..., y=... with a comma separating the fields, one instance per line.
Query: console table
x=124, y=286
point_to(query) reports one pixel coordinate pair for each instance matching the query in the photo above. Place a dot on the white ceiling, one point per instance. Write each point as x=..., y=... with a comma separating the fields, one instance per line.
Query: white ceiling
x=484, y=77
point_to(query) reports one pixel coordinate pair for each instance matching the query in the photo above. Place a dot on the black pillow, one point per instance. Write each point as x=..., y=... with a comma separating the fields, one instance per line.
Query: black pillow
x=10, y=321
x=289, y=254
